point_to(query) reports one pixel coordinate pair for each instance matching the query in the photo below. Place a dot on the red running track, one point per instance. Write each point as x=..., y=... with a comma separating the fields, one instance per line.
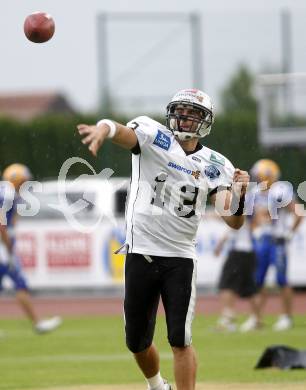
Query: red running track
x=101, y=306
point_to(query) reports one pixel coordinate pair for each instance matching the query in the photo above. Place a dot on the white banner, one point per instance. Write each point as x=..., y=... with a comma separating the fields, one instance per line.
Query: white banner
x=54, y=255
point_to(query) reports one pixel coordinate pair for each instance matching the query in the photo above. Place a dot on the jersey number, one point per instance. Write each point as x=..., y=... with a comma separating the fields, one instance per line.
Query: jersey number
x=189, y=192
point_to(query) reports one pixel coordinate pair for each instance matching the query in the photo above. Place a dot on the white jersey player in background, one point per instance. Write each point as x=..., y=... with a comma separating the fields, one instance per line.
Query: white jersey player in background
x=172, y=175
x=237, y=276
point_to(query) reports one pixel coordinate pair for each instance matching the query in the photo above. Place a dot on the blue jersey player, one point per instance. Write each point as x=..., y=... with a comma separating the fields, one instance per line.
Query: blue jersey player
x=13, y=178
x=274, y=201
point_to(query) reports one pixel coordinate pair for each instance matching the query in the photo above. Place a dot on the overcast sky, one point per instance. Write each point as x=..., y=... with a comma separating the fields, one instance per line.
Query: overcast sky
x=233, y=32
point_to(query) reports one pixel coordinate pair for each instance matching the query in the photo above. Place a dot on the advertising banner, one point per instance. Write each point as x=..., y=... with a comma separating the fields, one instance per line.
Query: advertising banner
x=54, y=255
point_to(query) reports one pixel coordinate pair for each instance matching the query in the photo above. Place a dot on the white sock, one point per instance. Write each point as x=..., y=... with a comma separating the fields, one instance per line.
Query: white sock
x=156, y=382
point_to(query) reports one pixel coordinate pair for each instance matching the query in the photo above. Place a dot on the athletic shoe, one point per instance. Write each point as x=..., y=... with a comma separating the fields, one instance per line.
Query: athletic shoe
x=167, y=385
x=226, y=324
x=284, y=322
x=250, y=324
x=47, y=325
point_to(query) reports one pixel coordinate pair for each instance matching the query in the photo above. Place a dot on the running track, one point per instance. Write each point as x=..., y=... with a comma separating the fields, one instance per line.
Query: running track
x=103, y=306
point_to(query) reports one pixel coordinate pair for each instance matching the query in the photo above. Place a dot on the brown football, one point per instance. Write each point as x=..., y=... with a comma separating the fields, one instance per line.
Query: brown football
x=39, y=27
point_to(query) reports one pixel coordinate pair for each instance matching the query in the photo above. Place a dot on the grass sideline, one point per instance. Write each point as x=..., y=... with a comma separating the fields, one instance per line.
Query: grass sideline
x=199, y=386
x=91, y=351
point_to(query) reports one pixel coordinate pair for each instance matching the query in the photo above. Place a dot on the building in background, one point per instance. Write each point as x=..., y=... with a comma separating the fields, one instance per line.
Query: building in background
x=26, y=106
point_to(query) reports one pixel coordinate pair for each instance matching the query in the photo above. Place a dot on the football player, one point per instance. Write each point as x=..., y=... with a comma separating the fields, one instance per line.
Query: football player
x=172, y=174
x=273, y=202
x=237, y=276
x=16, y=175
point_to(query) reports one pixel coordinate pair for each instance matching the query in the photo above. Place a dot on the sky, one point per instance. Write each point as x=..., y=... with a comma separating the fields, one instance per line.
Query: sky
x=146, y=58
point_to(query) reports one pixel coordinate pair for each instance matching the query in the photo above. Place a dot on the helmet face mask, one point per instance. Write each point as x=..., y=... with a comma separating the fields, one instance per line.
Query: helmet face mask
x=190, y=114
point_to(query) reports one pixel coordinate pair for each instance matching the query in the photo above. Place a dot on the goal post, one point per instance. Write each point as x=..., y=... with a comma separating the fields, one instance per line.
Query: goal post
x=282, y=109
x=144, y=57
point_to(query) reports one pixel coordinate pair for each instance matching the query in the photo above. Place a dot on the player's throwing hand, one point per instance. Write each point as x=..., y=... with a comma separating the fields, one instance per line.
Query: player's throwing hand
x=93, y=136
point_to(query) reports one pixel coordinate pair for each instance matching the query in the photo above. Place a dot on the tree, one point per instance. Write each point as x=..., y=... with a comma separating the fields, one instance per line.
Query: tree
x=239, y=95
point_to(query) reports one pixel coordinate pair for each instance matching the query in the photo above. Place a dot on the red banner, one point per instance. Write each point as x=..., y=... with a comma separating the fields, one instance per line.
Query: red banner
x=68, y=249
x=26, y=248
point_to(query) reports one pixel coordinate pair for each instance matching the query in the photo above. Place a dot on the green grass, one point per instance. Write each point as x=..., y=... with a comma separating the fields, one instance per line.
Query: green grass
x=92, y=351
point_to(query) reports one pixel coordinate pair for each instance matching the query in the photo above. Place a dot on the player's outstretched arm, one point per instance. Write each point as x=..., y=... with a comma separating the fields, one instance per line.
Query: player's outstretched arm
x=95, y=135
x=234, y=197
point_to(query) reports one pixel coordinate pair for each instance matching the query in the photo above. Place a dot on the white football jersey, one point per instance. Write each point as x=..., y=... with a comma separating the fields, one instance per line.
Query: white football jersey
x=168, y=191
x=241, y=239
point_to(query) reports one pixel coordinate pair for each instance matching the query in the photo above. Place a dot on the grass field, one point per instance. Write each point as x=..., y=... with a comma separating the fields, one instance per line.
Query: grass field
x=91, y=351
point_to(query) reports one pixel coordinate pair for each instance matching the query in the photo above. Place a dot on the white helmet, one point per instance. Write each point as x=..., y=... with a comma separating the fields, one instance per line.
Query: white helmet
x=197, y=100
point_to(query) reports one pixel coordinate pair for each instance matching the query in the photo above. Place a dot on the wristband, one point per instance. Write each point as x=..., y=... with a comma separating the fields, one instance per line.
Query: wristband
x=111, y=125
x=239, y=211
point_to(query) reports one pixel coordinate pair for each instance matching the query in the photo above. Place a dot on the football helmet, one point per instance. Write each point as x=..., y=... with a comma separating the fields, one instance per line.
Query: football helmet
x=266, y=170
x=16, y=174
x=201, y=117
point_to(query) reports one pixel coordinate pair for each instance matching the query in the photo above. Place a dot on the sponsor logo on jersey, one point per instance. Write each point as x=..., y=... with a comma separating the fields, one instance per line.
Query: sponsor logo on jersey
x=162, y=140
x=217, y=159
x=212, y=172
x=195, y=174
x=197, y=159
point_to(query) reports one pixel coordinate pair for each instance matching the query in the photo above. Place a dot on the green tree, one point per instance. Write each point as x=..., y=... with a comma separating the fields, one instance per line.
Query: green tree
x=238, y=95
